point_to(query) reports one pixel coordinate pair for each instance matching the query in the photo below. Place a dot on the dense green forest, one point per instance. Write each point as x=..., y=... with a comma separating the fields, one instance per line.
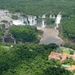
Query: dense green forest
x=25, y=33
x=29, y=59
x=68, y=28
x=32, y=59
x=36, y=7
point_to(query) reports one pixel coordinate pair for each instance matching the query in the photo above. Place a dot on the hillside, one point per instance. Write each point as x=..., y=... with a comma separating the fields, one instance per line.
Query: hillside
x=29, y=59
x=21, y=52
x=39, y=6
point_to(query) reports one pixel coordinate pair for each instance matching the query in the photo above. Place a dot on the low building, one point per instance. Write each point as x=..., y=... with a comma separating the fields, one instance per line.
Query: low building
x=60, y=56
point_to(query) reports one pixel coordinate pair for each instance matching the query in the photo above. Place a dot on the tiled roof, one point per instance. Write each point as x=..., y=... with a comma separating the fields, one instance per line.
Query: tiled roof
x=60, y=56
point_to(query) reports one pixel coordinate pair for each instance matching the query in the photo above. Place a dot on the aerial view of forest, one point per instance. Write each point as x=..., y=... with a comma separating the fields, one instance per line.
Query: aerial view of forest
x=37, y=37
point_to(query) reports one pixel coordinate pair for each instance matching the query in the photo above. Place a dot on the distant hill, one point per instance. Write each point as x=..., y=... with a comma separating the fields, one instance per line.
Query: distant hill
x=36, y=7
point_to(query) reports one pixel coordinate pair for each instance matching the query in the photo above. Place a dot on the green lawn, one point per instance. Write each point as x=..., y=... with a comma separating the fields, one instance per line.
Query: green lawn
x=66, y=51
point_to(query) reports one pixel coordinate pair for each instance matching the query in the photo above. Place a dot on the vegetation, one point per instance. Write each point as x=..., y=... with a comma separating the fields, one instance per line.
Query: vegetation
x=14, y=17
x=68, y=28
x=39, y=6
x=66, y=49
x=70, y=46
x=50, y=21
x=50, y=71
x=1, y=32
x=32, y=59
x=69, y=61
x=25, y=33
x=4, y=21
x=29, y=59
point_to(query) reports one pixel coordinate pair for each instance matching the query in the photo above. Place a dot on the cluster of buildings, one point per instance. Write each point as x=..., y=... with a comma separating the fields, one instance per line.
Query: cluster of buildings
x=62, y=57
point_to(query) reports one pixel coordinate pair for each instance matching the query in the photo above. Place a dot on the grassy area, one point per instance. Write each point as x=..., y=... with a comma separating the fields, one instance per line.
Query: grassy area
x=66, y=66
x=66, y=51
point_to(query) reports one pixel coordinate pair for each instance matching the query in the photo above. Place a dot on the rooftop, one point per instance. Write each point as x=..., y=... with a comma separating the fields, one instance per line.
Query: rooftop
x=60, y=56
